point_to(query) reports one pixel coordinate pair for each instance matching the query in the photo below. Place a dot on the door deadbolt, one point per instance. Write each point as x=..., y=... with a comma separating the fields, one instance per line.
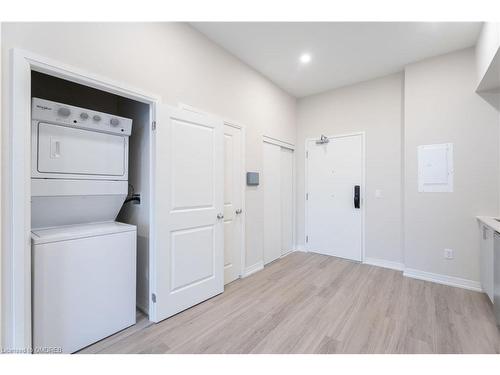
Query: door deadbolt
x=220, y=216
x=239, y=211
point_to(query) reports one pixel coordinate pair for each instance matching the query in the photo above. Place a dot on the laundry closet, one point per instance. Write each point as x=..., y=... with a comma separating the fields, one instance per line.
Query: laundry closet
x=90, y=202
x=134, y=205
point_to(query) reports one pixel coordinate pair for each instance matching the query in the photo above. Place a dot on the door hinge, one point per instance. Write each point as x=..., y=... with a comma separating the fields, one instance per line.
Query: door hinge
x=307, y=154
x=307, y=196
x=307, y=238
x=153, y=297
x=153, y=125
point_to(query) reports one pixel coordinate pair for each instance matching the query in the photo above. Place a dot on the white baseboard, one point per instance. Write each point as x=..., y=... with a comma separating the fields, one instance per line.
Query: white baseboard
x=384, y=263
x=426, y=276
x=254, y=268
x=408, y=272
x=443, y=279
x=300, y=248
x=288, y=253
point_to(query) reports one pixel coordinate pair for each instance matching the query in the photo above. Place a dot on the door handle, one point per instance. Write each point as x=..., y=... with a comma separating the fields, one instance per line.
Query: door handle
x=239, y=211
x=220, y=216
x=356, y=196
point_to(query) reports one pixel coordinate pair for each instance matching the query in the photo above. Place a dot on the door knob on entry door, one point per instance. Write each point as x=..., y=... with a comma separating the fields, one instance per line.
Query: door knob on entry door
x=220, y=216
x=239, y=211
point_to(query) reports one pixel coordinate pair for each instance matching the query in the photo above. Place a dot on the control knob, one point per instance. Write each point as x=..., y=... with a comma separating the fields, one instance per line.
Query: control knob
x=97, y=118
x=114, y=121
x=84, y=116
x=63, y=112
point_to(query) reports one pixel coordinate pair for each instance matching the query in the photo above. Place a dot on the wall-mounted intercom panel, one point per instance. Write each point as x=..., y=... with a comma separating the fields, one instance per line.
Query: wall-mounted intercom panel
x=252, y=178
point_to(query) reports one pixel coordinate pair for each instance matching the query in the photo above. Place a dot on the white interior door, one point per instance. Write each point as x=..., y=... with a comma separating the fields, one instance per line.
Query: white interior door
x=188, y=254
x=334, y=224
x=278, y=201
x=272, y=202
x=287, y=197
x=233, y=223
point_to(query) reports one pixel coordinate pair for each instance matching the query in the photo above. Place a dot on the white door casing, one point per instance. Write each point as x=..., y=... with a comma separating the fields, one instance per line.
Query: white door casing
x=334, y=226
x=233, y=203
x=287, y=199
x=189, y=241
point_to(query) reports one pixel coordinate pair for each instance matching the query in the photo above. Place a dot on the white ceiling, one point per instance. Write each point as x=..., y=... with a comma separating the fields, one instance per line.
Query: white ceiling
x=342, y=52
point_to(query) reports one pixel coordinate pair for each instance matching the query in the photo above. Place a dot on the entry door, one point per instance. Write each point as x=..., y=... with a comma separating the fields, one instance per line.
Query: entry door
x=188, y=252
x=233, y=223
x=334, y=224
x=278, y=201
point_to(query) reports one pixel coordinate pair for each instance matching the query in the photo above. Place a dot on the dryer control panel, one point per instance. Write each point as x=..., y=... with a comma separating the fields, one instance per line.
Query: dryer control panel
x=80, y=118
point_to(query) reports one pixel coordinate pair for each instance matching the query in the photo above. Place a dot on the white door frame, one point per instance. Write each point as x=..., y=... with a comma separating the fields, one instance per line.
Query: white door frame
x=242, y=128
x=290, y=146
x=16, y=223
x=363, y=187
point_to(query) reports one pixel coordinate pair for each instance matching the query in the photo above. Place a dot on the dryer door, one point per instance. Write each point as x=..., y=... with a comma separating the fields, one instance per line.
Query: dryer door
x=67, y=151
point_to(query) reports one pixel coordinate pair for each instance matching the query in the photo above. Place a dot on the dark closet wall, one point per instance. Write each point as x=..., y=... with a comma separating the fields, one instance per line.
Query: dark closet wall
x=59, y=90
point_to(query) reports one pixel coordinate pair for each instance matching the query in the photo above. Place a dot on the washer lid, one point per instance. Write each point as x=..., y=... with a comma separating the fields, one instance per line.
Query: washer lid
x=72, y=232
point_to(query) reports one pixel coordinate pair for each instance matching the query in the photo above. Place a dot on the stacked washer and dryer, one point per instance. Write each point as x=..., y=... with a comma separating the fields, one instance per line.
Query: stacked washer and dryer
x=83, y=261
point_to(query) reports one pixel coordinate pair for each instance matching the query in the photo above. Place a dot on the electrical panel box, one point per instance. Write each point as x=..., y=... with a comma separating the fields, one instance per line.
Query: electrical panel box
x=252, y=178
x=435, y=168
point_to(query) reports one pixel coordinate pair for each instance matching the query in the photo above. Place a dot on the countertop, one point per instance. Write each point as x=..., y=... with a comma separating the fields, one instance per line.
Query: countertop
x=490, y=221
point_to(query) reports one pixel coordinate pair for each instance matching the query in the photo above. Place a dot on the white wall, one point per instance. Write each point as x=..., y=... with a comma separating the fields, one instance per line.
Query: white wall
x=441, y=106
x=486, y=47
x=179, y=64
x=488, y=63
x=374, y=107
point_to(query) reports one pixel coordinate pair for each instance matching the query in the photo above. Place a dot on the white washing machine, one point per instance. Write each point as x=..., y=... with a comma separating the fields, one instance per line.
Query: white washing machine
x=84, y=263
x=83, y=284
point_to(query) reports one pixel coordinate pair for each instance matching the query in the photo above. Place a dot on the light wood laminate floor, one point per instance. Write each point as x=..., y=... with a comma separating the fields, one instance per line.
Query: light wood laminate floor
x=311, y=303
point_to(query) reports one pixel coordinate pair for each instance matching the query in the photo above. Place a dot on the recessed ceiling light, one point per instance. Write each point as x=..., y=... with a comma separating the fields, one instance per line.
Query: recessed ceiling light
x=305, y=58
